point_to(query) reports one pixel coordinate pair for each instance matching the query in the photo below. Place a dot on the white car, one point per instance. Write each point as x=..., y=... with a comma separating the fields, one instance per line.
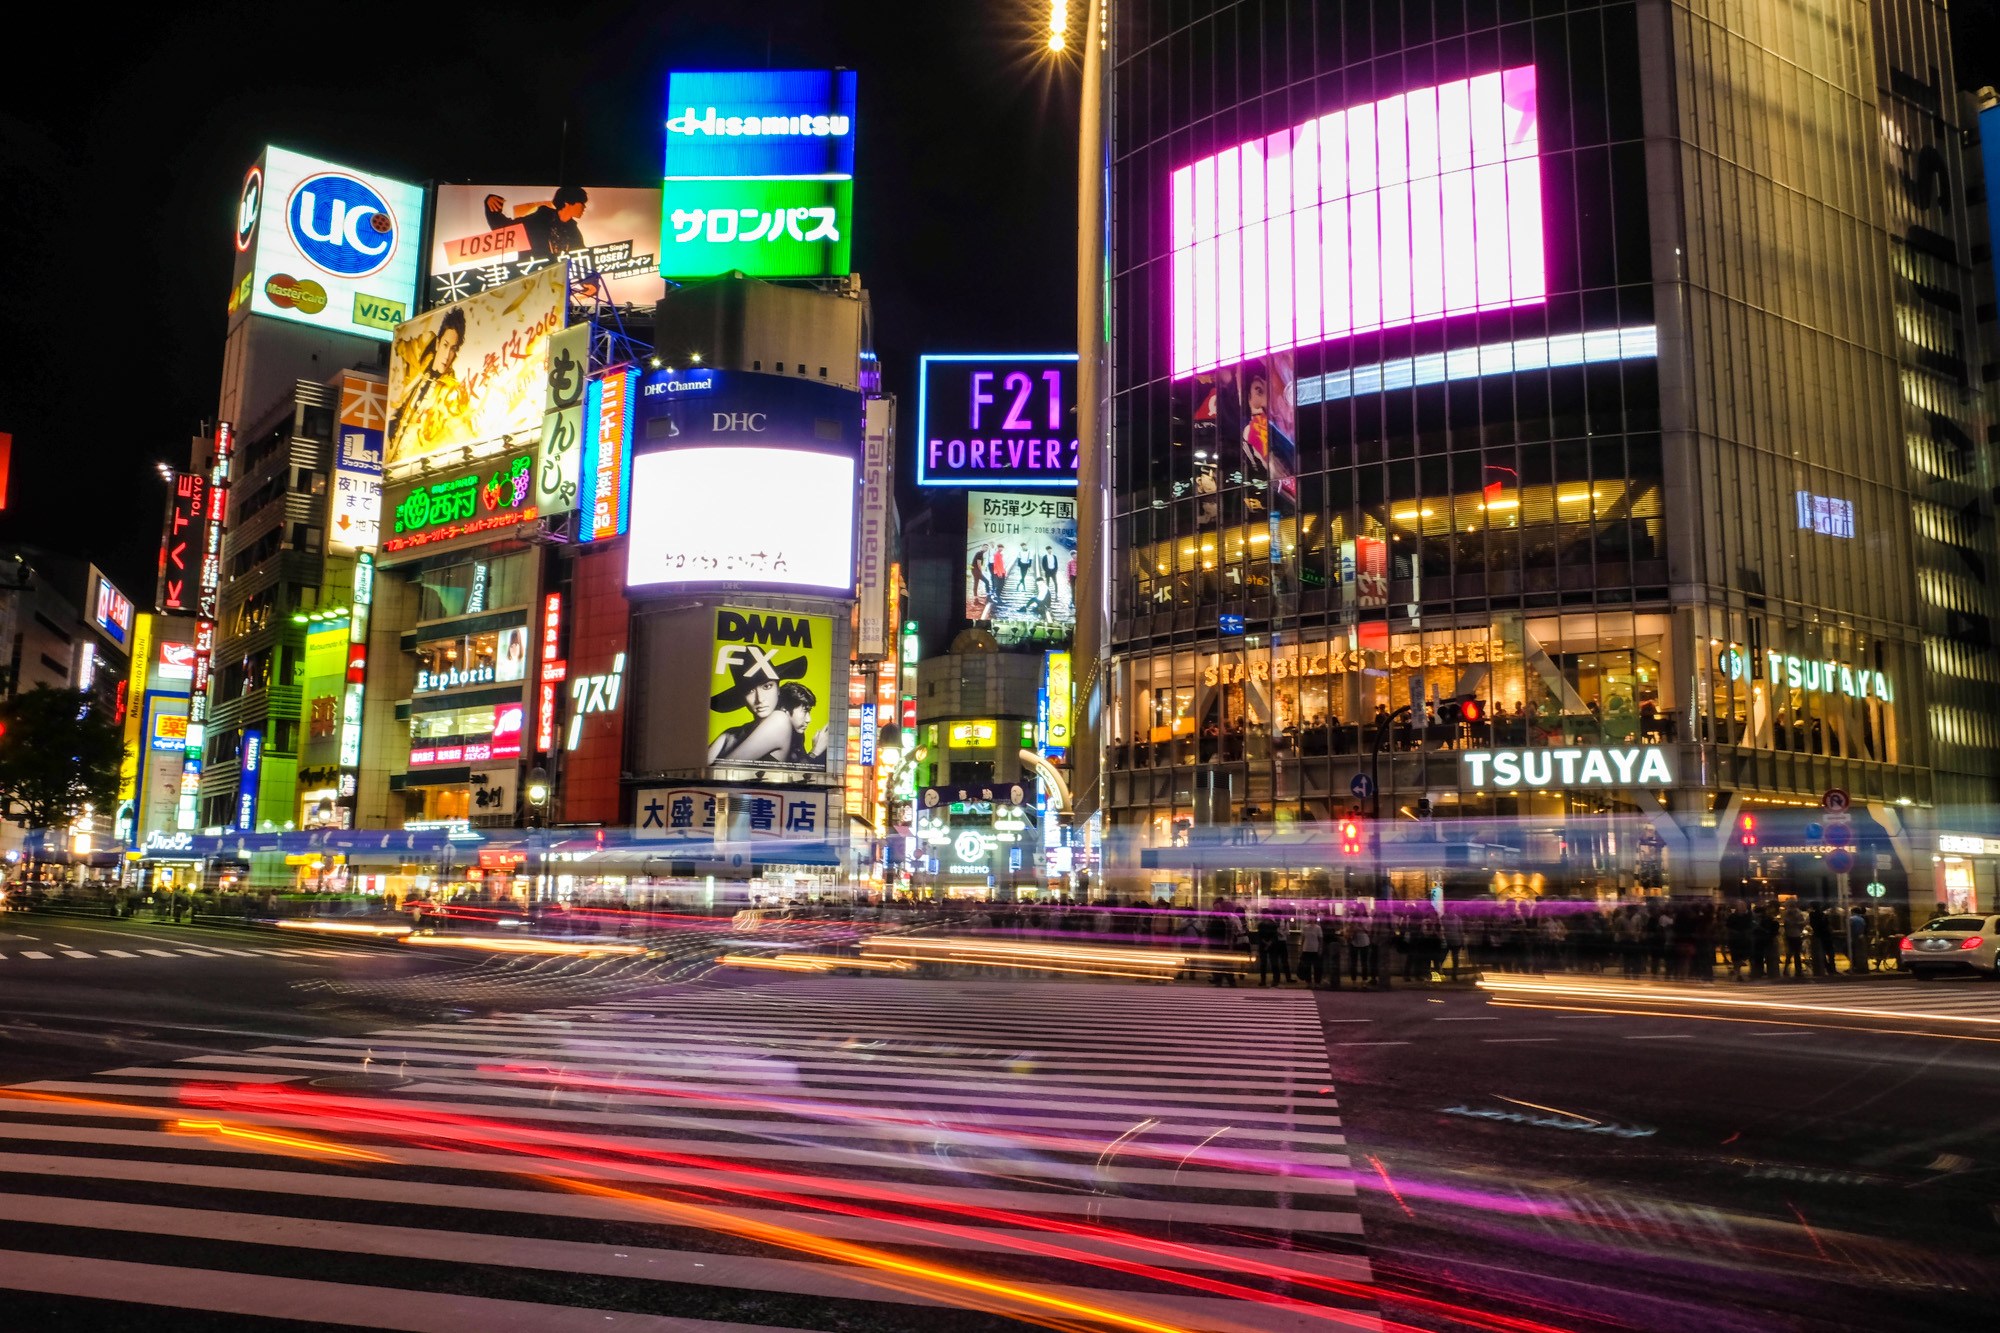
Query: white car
x=1963, y=941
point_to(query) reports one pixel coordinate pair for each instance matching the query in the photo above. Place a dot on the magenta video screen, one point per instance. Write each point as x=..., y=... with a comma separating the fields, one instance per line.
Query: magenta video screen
x=1416, y=207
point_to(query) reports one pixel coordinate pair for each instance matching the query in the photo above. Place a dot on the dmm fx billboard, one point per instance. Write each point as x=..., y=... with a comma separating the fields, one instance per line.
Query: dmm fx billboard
x=770, y=689
x=326, y=246
x=997, y=419
x=759, y=173
x=1558, y=768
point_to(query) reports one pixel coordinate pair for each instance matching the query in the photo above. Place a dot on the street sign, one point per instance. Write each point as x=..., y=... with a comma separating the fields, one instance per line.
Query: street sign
x=1835, y=799
x=1839, y=833
x=1363, y=786
x=1840, y=861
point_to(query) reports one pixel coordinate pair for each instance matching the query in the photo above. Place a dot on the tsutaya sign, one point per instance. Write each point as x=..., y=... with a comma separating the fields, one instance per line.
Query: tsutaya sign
x=1594, y=766
x=1340, y=661
x=1810, y=673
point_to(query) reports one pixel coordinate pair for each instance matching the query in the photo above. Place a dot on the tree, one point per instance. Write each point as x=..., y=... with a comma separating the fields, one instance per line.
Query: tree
x=59, y=752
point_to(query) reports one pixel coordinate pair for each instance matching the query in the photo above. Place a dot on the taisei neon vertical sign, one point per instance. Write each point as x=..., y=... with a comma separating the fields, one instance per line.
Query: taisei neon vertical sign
x=1412, y=208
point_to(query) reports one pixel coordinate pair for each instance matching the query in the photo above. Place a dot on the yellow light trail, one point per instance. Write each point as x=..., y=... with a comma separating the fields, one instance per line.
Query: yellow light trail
x=1559, y=1006
x=881, y=1261
x=1525, y=986
x=811, y=962
x=342, y=927
x=276, y=1140
x=505, y=944
x=1553, y=1110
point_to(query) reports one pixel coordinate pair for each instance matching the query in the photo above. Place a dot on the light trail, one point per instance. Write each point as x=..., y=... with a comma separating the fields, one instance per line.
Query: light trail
x=1655, y=995
x=515, y=944
x=812, y=962
x=343, y=927
x=1553, y=1110
x=1557, y=1006
x=261, y=1137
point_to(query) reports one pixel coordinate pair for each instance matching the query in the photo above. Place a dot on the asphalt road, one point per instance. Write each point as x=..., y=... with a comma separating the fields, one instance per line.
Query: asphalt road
x=239, y=1135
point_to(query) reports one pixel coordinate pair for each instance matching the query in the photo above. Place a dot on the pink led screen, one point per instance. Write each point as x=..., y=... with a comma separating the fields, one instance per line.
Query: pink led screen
x=1416, y=207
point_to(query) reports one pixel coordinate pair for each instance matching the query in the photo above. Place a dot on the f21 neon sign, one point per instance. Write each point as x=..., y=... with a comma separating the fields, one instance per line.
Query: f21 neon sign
x=997, y=419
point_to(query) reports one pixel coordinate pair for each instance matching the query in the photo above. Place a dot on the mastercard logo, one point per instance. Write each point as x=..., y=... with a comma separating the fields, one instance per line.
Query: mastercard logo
x=300, y=294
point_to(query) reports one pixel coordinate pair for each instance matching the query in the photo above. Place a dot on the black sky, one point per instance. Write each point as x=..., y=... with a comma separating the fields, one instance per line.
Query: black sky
x=121, y=157
x=122, y=149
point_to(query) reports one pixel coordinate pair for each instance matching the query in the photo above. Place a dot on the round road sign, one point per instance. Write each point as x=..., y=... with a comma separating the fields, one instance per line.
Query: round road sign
x=1835, y=799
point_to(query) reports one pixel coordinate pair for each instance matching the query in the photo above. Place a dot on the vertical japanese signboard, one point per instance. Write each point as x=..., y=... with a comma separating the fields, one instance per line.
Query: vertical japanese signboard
x=554, y=668
x=180, y=551
x=355, y=523
x=208, y=589
x=606, y=481
x=559, y=463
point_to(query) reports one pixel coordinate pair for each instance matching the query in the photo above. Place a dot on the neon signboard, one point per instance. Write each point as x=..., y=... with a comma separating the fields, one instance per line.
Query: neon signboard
x=1415, y=207
x=997, y=420
x=464, y=504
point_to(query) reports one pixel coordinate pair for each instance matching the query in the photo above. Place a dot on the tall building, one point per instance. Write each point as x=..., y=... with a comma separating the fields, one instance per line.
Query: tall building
x=1607, y=369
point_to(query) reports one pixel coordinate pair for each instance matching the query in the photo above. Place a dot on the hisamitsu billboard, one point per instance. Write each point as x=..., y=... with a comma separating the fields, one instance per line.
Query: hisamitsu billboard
x=997, y=419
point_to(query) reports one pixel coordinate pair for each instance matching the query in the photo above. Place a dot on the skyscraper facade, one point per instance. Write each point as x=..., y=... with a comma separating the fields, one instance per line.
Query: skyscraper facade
x=1601, y=367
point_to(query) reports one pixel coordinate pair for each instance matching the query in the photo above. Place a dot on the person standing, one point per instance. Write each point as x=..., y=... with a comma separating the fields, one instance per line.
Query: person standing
x=1454, y=940
x=1857, y=941
x=1311, y=940
x=1821, y=926
x=1794, y=922
x=1737, y=929
x=1361, y=949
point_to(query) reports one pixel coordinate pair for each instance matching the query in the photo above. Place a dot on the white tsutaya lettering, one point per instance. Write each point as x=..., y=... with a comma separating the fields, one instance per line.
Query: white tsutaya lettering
x=1626, y=760
x=1506, y=769
x=1529, y=767
x=1566, y=759
x=1595, y=769
x=1476, y=763
x=1653, y=768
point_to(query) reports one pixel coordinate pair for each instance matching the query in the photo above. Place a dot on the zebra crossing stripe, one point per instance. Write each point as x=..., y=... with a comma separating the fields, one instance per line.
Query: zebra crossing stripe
x=877, y=1165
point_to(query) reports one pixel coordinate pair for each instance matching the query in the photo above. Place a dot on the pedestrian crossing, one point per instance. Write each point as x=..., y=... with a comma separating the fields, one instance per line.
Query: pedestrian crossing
x=810, y=1154
x=53, y=950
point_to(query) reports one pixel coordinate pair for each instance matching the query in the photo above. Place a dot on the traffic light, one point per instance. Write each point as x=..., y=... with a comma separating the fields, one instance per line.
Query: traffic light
x=1465, y=708
x=1747, y=829
x=1350, y=836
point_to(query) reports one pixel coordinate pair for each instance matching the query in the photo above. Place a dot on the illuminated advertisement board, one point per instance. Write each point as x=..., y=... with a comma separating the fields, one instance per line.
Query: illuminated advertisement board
x=1020, y=565
x=176, y=661
x=770, y=689
x=471, y=373
x=472, y=502
x=250, y=766
x=110, y=609
x=1416, y=207
x=180, y=550
x=750, y=516
x=605, y=477
x=326, y=246
x=355, y=521
x=559, y=464
x=489, y=235
x=997, y=420
x=706, y=406
x=733, y=814
x=758, y=174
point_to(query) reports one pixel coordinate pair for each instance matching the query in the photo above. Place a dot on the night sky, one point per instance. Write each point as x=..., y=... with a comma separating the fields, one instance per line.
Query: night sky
x=120, y=177
x=122, y=150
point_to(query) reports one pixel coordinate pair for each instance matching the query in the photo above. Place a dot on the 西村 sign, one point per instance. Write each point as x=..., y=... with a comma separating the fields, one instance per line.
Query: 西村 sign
x=1560, y=767
x=997, y=419
x=495, y=495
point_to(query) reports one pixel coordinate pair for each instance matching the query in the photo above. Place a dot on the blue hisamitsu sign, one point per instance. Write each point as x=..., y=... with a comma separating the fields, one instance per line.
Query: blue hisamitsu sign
x=767, y=124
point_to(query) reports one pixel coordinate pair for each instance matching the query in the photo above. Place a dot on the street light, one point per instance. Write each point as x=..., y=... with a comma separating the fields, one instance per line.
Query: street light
x=538, y=789
x=538, y=799
x=1058, y=24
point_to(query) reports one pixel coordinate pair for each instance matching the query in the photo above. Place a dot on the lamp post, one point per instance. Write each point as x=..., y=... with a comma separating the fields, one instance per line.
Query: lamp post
x=538, y=799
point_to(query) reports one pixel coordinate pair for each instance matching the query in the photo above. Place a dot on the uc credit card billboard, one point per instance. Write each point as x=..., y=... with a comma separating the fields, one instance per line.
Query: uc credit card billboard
x=326, y=246
x=758, y=173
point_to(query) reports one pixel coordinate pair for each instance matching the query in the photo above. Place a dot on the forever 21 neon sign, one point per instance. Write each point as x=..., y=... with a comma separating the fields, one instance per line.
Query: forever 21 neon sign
x=997, y=420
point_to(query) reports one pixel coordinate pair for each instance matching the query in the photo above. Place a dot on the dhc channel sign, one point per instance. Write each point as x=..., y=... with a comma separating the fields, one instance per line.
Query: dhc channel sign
x=341, y=224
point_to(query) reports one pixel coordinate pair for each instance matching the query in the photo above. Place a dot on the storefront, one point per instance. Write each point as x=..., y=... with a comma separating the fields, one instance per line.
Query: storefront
x=1965, y=873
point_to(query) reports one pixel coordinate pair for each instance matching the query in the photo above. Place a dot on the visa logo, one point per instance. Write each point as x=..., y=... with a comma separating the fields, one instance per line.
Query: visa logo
x=379, y=312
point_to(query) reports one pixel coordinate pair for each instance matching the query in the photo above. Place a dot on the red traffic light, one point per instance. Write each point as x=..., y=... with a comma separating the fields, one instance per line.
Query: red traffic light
x=1748, y=827
x=1470, y=710
x=1350, y=835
